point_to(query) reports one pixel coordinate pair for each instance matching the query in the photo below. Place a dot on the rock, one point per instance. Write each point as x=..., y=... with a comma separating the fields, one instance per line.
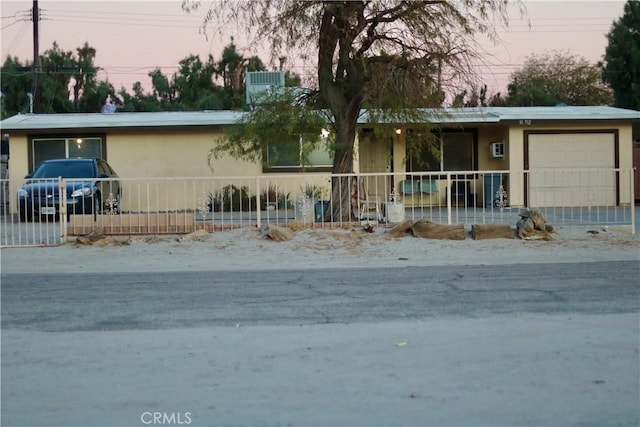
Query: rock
x=196, y=236
x=90, y=238
x=368, y=228
x=537, y=218
x=526, y=230
x=401, y=229
x=532, y=225
x=111, y=241
x=492, y=231
x=279, y=234
x=432, y=230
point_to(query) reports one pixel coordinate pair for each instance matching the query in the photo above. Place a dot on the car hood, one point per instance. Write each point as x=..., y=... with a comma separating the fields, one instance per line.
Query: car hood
x=50, y=187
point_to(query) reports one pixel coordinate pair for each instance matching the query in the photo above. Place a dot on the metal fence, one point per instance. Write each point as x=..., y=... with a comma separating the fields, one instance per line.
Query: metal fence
x=129, y=206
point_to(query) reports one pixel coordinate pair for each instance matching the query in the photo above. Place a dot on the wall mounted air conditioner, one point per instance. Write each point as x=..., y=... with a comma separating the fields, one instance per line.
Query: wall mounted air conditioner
x=497, y=150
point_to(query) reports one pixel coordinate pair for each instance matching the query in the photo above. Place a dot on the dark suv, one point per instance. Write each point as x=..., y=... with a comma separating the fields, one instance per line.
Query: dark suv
x=91, y=186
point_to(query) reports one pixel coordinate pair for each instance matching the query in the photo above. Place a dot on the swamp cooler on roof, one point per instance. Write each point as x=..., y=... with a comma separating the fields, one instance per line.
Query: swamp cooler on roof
x=261, y=81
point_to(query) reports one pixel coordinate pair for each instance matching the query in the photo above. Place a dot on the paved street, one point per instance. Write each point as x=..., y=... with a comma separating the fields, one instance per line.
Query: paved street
x=524, y=344
x=201, y=299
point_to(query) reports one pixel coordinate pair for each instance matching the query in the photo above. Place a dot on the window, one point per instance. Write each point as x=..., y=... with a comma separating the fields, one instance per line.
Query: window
x=457, y=152
x=104, y=168
x=290, y=155
x=59, y=148
x=285, y=154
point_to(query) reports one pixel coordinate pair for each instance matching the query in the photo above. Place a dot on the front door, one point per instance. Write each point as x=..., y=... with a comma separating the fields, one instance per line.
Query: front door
x=375, y=157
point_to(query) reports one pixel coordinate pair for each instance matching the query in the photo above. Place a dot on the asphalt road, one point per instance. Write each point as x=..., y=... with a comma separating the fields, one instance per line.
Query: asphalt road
x=143, y=301
x=526, y=344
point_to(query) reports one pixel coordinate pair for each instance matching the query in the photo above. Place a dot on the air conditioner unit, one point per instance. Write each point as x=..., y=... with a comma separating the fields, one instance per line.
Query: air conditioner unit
x=497, y=150
x=258, y=82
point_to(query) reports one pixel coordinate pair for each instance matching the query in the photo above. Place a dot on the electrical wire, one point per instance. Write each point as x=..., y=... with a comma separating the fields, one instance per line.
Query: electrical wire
x=535, y=27
x=18, y=37
x=9, y=25
x=190, y=21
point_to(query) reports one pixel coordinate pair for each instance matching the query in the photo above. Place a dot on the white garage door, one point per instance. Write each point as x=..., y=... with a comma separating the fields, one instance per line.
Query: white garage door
x=572, y=169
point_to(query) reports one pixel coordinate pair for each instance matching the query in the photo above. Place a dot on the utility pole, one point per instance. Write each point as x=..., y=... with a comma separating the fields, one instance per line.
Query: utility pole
x=35, y=16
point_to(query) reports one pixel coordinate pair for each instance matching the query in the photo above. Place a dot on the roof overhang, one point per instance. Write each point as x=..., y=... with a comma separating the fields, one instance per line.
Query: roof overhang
x=104, y=122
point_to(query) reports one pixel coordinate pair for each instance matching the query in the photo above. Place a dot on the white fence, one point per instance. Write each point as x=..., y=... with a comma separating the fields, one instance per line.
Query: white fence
x=181, y=205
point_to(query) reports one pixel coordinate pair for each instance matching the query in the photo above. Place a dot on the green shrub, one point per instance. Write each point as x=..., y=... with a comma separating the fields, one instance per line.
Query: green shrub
x=271, y=195
x=231, y=198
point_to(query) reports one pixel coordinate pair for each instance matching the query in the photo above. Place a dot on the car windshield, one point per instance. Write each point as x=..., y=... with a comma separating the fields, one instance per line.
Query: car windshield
x=65, y=170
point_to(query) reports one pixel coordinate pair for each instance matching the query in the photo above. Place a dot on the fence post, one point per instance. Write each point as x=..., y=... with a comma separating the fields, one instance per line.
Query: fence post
x=632, y=201
x=62, y=191
x=258, y=219
x=449, y=198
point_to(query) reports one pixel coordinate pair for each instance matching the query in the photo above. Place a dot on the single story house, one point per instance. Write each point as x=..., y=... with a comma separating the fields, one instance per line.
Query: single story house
x=515, y=139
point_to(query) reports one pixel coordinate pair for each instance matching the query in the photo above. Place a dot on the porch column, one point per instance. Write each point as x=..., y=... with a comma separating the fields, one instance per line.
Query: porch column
x=515, y=156
x=399, y=156
x=356, y=153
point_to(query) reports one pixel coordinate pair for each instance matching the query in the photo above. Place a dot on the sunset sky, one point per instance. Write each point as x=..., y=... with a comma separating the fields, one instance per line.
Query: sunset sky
x=132, y=38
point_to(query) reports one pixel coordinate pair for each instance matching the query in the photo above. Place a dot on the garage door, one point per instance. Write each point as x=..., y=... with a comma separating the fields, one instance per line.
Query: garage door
x=572, y=169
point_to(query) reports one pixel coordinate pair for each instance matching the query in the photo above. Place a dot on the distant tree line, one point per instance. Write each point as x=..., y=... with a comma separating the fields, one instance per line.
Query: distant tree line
x=68, y=80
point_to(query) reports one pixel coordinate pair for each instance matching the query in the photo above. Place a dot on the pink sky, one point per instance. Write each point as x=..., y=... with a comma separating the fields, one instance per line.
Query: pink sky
x=133, y=38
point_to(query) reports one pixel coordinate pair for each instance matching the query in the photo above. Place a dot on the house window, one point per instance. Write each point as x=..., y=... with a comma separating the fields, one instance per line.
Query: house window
x=291, y=156
x=284, y=155
x=57, y=148
x=456, y=152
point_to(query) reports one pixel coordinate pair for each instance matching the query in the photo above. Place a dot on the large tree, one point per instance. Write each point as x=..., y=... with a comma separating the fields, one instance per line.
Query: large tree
x=555, y=78
x=353, y=39
x=622, y=57
x=15, y=85
x=197, y=85
x=67, y=83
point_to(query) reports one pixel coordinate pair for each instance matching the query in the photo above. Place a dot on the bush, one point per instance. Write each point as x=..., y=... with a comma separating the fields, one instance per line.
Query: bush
x=270, y=195
x=284, y=202
x=231, y=198
x=313, y=191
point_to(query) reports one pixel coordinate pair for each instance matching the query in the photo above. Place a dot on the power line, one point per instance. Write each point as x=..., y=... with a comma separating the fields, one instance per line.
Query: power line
x=190, y=21
x=538, y=26
x=18, y=37
x=9, y=25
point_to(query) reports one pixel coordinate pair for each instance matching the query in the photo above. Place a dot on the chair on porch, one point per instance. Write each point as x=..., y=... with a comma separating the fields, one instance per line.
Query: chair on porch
x=363, y=202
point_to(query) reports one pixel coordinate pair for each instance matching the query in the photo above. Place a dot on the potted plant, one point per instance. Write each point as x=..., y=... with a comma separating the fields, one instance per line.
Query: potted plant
x=270, y=197
x=395, y=208
x=284, y=200
x=306, y=200
x=215, y=202
x=323, y=205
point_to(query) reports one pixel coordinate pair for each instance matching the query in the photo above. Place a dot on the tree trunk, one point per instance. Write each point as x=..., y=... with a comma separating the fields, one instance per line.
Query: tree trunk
x=431, y=230
x=341, y=86
x=491, y=231
x=341, y=186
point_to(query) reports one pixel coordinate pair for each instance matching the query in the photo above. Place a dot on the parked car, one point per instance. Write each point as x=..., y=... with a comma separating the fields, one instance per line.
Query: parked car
x=91, y=188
